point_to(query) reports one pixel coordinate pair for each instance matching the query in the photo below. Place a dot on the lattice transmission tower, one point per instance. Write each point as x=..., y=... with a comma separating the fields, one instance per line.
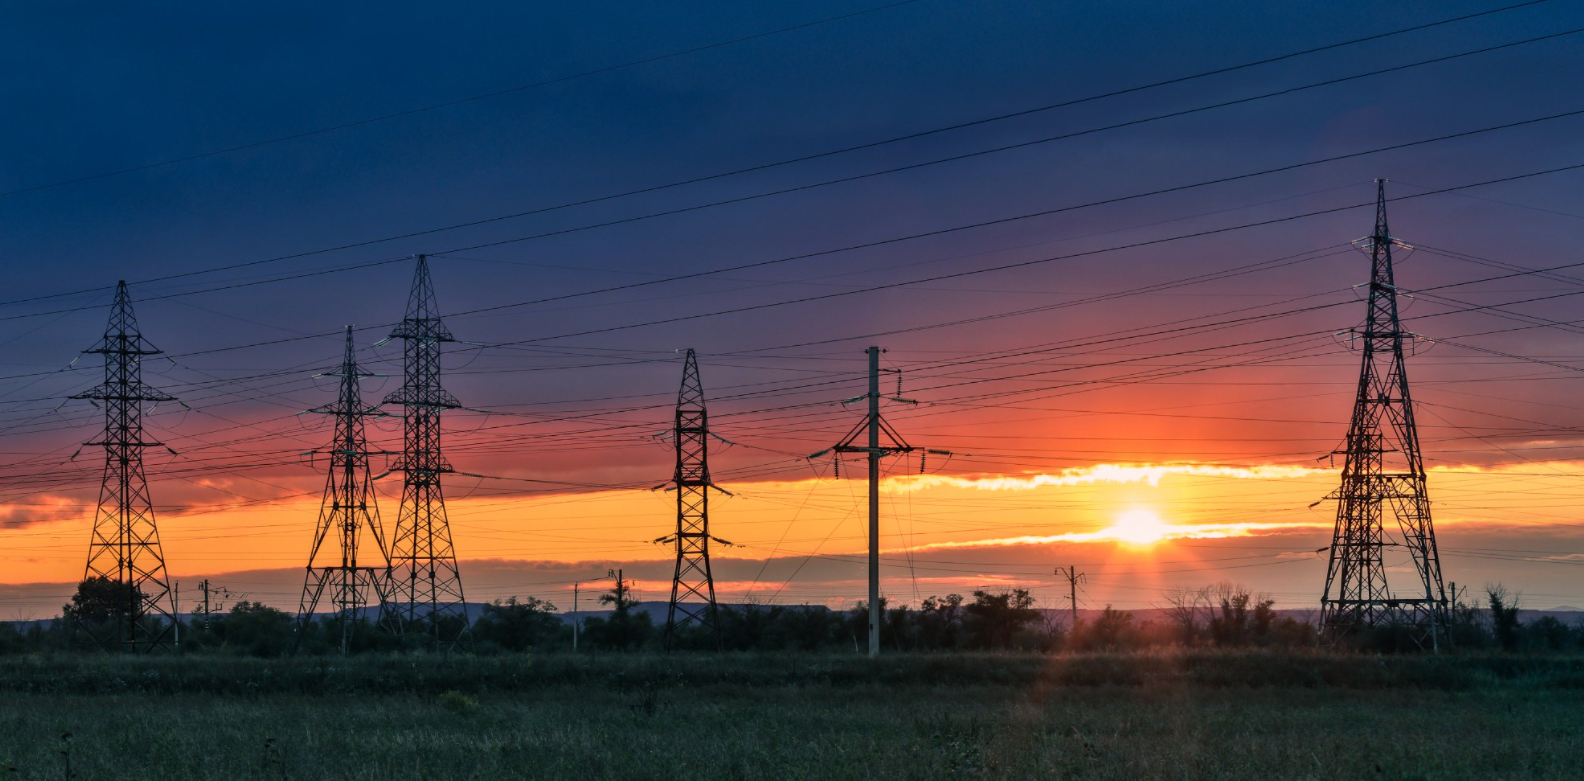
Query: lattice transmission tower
x=693, y=585
x=1383, y=468
x=349, y=507
x=424, y=584
x=124, y=555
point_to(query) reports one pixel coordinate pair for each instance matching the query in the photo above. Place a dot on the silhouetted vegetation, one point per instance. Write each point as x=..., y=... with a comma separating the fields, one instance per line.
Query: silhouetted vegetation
x=1224, y=615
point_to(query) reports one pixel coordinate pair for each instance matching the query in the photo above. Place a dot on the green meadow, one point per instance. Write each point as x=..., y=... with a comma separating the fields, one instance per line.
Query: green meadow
x=692, y=716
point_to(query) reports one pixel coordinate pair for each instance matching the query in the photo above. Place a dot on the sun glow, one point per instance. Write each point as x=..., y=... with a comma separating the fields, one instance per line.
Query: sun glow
x=1138, y=527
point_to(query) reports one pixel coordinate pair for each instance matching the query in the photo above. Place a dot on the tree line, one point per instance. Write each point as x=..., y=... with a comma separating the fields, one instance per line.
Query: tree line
x=1224, y=615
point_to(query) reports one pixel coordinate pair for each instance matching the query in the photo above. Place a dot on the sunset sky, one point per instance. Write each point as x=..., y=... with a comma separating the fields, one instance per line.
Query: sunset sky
x=1144, y=385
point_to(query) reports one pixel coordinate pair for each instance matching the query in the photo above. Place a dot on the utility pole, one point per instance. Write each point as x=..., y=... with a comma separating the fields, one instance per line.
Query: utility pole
x=873, y=425
x=693, y=579
x=424, y=583
x=124, y=551
x=1382, y=467
x=1073, y=578
x=576, y=619
x=621, y=585
x=349, y=506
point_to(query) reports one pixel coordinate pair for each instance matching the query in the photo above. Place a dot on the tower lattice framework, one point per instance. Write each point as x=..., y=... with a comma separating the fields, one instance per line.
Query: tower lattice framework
x=693, y=584
x=1383, y=469
x=424, y=585
x=349, y=507
x=125, y=548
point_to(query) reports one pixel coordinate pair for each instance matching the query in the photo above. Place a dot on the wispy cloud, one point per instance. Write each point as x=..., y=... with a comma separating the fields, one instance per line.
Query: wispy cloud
x=1198, y=531
x=1099, y=473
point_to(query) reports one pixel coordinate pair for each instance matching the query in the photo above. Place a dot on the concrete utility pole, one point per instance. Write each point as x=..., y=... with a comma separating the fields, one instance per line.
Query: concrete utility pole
x=874, y=501
x=874, y=425
x=1073, y=578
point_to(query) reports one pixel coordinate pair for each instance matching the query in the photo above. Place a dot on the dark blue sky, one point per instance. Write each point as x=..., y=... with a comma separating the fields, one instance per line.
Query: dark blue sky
x=99, y=88
x=110, y=88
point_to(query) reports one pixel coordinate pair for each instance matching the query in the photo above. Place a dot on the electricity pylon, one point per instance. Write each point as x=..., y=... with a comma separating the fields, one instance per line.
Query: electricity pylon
x=1383, y=467
x=693, y=579
x=349, y=506
x=423, y=582
x=125, y=549
x=874, y=425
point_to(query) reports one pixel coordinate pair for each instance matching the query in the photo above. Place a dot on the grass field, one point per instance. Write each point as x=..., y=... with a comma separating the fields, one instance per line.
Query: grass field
x=1163, y=715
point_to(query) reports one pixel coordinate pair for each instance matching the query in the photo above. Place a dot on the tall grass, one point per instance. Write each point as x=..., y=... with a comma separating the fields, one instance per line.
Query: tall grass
x=752, y=718
x=424, y=674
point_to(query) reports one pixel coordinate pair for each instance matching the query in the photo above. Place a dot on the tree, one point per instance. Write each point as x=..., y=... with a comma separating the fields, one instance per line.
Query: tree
x=258, y=629
x=940, y=622
x=1504, y=616
x=623, y=629
x=1184, y=607
x=748, y=626
x=519, y=626
x=1243, y=618
x=1113, y=629
x=100, y=600
x=1549, y=634
x=994, y=617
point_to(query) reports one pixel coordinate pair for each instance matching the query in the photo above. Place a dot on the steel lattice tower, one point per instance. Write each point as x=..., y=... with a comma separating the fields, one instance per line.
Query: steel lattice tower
x=349, y=506
x=423, y=581
x=1383, y=467
x=693, y=579
x=125, y=548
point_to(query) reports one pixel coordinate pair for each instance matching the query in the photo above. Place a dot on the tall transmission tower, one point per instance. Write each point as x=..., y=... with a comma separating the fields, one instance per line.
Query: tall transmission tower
x=424, y=585
x=1383, y=467
x=349, y=506
x=873, y=425
x=125, y=548
x=693, y=585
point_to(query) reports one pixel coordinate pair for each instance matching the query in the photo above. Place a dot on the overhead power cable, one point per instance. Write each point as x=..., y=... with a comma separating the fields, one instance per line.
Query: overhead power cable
x=844, y=150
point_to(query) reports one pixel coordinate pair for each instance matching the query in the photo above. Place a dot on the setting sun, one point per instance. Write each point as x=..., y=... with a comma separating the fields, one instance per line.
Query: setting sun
x=1138, y=527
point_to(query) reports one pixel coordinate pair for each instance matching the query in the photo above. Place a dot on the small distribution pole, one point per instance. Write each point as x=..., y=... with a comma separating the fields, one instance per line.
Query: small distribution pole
x=1073, y=578
x=874, y=425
